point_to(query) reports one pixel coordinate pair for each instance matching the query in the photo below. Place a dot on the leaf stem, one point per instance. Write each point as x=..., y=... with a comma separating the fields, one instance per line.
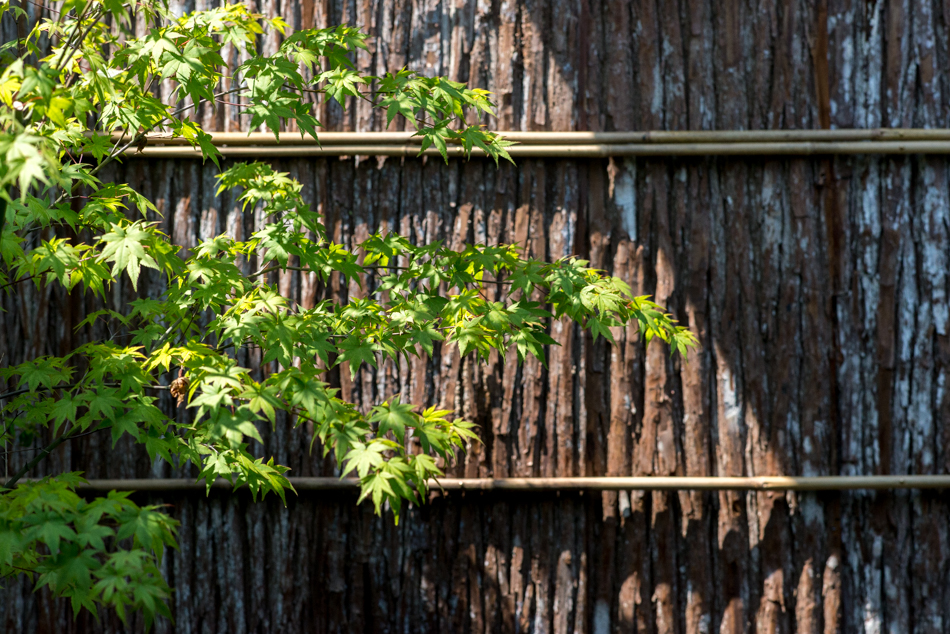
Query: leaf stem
x=67, y=386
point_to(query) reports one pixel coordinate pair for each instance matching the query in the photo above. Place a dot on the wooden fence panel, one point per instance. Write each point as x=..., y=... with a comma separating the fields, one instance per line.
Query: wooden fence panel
x=818, y=289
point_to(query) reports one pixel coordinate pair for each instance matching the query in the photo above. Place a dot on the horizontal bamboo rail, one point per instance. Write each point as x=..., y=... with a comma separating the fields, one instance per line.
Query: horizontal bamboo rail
x=651, y=483
x=580, y=138
x=578, y=145
x=802, y=148
x=572, y=144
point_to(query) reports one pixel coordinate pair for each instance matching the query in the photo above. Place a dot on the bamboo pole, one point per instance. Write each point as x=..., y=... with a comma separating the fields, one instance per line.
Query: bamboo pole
x=602, y=150
x=578, y=138
x=580, y=145
x=758, y=483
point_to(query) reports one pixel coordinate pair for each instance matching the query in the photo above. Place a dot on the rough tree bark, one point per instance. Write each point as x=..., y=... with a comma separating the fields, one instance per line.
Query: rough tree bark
x=818, y=289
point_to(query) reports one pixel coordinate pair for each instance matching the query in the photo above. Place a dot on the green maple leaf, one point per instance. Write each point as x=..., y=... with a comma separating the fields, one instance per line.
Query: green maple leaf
x=432, y=436
x=434, y=136
x=309, y=394
x=346, y=436
x=91, y=534
x=394, y=417
x=425, y=467
x=76, y=570
x=125, y=250
x=526, y=278
x=425, y=336
x=211, y=398
x=99, y=145
x=125, y=424
x=341, y=83
x=64, y=409
x=398, y=104
x=598, y=326
x=11, y=543
x=45, y=371
x=497, y=318
x=262, y=399
x=378, y=485
x=356, y=351
x=56, y=256
x=470, y=338
x=156, y=44
x=25, y=161
x=151, y=529
x=104, y=402
x=363, y=458
x=320, y=345
x=10, y=248
x=235, y=426
x=52, y=531
x=157, y=445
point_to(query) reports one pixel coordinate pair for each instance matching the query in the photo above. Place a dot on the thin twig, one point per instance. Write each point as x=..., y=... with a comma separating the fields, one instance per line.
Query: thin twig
x=276, y=267
x=22, y=279
x=194, y=313
x=67, y=386
x=366, y=267
x=42, y=6
x=13, y=393
x=39, y=458
x=79, y=40
x=201, y=101
x=73, y=75
x=164, y=338
x=74, y=437
x=69, y=40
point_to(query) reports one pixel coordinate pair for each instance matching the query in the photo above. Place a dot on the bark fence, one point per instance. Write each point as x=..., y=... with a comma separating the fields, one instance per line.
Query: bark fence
x=817, y=286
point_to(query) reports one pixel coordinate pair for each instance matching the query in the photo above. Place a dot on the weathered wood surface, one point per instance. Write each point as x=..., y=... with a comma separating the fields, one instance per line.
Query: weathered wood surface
x=818, y=289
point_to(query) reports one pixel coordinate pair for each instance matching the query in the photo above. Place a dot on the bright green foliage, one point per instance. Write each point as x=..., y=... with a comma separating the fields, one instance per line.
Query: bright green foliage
x=106, y=552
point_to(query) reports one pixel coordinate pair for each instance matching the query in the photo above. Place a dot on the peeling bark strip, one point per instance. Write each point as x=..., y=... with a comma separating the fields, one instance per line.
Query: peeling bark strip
x=818, y=290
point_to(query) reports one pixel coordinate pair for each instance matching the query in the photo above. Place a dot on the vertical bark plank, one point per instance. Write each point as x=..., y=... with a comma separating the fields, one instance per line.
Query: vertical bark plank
x=692, y=223
x=535, y=24
x=506, y=66
x=560, y=415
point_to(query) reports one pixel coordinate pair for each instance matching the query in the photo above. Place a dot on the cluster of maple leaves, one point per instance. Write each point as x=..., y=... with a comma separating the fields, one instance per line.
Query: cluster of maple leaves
x=80, y=90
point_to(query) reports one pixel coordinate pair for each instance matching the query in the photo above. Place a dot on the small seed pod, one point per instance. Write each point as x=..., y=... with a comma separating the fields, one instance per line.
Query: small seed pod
x=179, y=388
